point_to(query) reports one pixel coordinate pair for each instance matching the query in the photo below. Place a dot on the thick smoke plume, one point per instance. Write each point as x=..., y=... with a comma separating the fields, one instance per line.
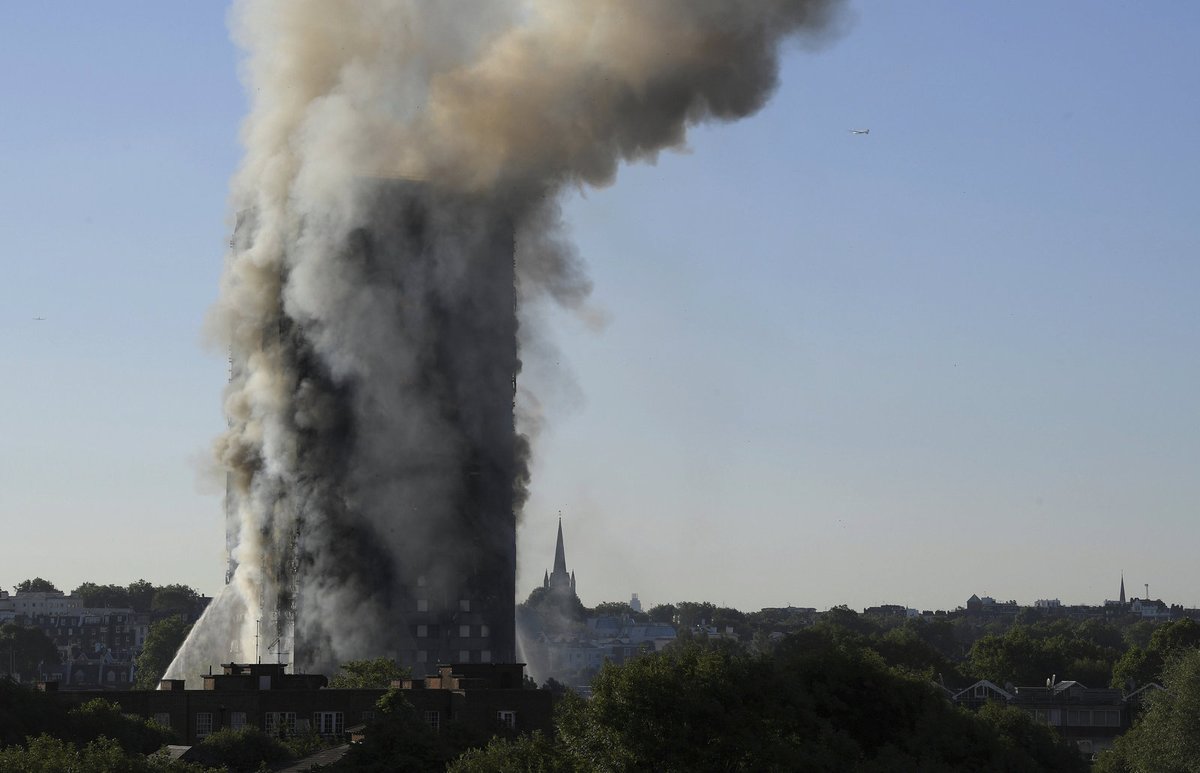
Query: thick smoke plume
x=395, y=152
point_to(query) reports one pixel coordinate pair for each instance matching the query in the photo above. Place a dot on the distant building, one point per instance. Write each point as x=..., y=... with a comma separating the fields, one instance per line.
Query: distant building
x=887, y=610
x=989, y=607
x=97, y=646
x=32, y=603
x=1150, y=609
x=478, y=695
x=1090, y=718
x=635, y=603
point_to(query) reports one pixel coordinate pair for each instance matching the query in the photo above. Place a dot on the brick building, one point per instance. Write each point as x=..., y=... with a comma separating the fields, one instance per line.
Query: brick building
x=263, y=695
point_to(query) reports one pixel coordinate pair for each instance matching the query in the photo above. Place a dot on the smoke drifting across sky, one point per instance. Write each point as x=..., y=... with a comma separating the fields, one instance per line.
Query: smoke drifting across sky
x=339, y=451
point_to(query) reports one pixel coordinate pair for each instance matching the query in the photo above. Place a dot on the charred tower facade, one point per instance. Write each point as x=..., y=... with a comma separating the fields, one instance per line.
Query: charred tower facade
x=411, y=469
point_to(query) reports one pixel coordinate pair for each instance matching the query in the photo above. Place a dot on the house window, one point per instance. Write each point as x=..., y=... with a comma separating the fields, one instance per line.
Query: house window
x=422, y=656
x=162, y=718
x=484, y=630
x=485, y=656
x=464, y=631
x=981, y=691
x=328, y=722
x=368, y=716
x=434, y=719
x=203, y=724
x=507, y=718
x=422, y=631
x=422, y=605
x=421, y=581
x=280, y=722
x=464, y=656
x=464, y=605
x=237, y=720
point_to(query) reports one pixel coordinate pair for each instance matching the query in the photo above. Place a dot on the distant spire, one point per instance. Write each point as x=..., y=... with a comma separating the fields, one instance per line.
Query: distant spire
x=546, y=580
x=1122, y=587
x=560, y=555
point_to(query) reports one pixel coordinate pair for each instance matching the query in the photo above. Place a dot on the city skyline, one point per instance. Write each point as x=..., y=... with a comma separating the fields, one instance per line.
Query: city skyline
x=956, y=355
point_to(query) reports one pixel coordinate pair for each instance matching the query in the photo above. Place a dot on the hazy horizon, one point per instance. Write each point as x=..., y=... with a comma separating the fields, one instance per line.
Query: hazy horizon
x=955, y=355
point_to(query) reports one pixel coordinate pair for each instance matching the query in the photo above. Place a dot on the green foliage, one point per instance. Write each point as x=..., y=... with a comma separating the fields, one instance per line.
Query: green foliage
x=25, y=651
x=693, y=613
x=612, y=608
x=1166, y=738
x=532, y=753
x=162, y=642
x=45, y=754
x=366, y=674
x=100, y=718
x=1138, y=634
x=141, y=595
x=247, y=749
x=1030, y=654
x=662, y=613
x=1140, y=666
x=93, y=595
x=619, y=609
x=816, y=705
x=400, y=739
x=1021, y=738
x=547, y=610
x=36, y=585
x=306, y=744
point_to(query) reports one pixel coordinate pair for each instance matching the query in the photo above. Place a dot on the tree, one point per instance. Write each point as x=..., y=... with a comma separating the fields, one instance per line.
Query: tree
x=141, y=595
x=366, y=674
x=46, y=754
x=1021, y=736
x=36, y=585
x=817, y=705
x=662, y=613
x=533, y=753
x=174, y=598
x=162, y=642
x=1166, y=738
x=248, y=749
x=93, y=595
x=547, y=610
x=1030, y=654
x=25, y=651
x=400, y=739
x=1140, y=666
x=99, y=718
x=693, y=613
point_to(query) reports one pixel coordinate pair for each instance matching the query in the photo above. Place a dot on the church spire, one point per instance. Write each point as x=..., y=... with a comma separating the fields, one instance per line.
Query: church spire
x=1122, y=585
x=560, y=555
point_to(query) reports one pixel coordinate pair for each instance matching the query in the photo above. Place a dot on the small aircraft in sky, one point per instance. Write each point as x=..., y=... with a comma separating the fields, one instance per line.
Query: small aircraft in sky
x=860, y=131
x=39, y=319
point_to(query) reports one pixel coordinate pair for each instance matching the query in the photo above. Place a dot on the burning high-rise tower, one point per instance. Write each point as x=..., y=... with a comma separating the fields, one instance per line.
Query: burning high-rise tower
x=373, y=463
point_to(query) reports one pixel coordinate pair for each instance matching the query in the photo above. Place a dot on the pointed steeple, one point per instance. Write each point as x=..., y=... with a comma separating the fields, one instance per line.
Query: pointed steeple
x=1122, y=587
x=560, y=555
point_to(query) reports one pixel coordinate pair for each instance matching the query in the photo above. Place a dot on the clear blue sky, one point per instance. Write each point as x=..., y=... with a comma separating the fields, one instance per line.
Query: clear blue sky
x=960, y=354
